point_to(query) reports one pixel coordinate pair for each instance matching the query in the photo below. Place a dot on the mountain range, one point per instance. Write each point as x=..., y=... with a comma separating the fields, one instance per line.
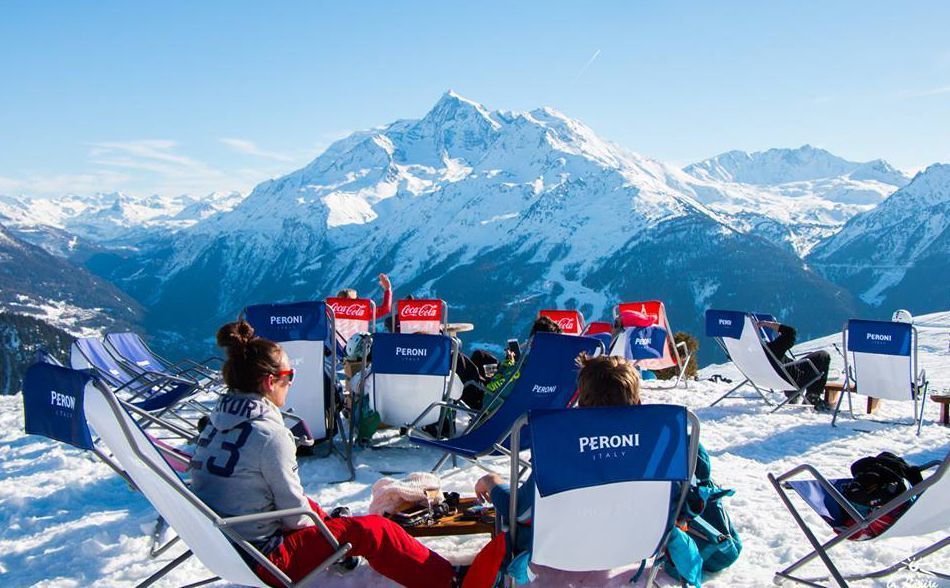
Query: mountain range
x=503, y=213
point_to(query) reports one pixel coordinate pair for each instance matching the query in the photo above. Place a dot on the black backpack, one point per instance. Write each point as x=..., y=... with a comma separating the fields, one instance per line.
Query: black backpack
x=877, y=480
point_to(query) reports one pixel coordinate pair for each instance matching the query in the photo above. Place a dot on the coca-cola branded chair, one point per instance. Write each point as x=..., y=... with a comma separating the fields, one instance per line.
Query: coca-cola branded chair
x=422, y=316
x=306, y=331
x=571, y=322
x=352, y=316
x=674, y=354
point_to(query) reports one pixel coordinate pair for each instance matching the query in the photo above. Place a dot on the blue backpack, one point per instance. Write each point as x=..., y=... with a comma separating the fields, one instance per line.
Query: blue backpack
x=704, y=539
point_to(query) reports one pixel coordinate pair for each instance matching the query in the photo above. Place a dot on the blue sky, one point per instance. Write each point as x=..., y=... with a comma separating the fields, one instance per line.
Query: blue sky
x=175, y=97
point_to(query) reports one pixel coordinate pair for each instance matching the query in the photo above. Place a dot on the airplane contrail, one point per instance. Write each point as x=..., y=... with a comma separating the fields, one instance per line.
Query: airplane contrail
x=586, y=65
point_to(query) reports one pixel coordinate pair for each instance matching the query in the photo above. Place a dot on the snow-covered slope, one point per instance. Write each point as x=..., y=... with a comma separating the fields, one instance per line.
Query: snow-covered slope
x=897, y=254
x=36, y=283
x=64, y=507
x=795, y=197
x=106, y=218
x=496, y=212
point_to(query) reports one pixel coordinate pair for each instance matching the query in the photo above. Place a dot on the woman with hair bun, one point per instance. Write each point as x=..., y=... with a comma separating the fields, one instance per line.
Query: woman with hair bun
x=245, y=463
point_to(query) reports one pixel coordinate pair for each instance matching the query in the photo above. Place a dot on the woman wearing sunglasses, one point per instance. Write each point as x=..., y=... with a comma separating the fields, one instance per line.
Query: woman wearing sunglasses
x=245, y=463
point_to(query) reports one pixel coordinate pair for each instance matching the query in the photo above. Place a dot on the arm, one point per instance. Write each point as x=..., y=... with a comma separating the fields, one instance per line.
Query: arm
x=279, y=468
x=494, y=488
x=784, y=342
x=387, y=303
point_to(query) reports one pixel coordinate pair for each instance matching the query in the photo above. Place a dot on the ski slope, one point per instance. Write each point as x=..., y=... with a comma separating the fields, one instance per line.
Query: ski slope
x=68, y=521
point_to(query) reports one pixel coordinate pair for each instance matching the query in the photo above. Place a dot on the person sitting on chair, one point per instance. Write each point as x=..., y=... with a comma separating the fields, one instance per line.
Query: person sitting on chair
x=602, y=381
x=245, y=464
x=385, y=307
x=496, y=388
x=800, y=371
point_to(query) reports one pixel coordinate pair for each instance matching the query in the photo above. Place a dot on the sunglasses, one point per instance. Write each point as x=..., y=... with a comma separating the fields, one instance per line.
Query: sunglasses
x=289, y=373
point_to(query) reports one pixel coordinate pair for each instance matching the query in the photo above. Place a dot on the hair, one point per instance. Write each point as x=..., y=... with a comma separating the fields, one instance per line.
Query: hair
x=250, y=358
x=607, y=381
x=545, y=325
x=347, y=293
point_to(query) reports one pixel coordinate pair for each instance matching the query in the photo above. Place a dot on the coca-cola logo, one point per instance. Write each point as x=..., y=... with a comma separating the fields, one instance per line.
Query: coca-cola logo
x=353, y=310
x=567, y=323
x=423, y=311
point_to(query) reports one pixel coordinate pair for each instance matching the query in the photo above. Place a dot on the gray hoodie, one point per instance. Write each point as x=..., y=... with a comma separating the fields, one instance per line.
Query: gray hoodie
x=246, y=463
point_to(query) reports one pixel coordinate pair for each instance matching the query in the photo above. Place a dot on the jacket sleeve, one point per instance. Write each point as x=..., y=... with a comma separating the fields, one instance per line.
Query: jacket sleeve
x=387, y=304
x=279, y=468
x=501, y=497
x=784, y=342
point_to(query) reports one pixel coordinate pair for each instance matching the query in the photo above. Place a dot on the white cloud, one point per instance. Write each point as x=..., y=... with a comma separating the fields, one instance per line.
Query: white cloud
x=927, y=93
x=248, y=147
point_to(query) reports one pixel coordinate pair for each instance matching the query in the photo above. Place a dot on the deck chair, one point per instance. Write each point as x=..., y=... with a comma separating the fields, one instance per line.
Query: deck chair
x=546, y=379
x=159, y=394
x=642, y=344
x=928, y=512
x=674, y=354
x=306, y=332
x=208, y=536
x=738, y=333
x=351, y=316
x=570, y=321
x=422, y=316
x=53, y=400
x=881, y=358
x=609, y=483
x=408, y=373
x=136, y=356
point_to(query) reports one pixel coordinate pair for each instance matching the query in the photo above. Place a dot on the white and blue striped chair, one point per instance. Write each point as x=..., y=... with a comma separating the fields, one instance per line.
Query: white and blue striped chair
x=609, y=483
x=881, y=362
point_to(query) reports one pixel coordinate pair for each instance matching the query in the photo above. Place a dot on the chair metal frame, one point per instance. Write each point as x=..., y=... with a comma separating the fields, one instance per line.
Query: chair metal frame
x=820, y=549
x=682, y=360
x=223, y=524
x=919, y=383
x=782, y=371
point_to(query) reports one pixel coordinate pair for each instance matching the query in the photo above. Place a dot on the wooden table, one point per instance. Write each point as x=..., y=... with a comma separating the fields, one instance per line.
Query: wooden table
x=453, y=525
x=944, y=410
x=834, y=389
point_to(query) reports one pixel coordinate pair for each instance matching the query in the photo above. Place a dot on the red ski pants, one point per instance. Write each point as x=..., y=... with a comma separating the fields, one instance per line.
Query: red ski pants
x=386, y=546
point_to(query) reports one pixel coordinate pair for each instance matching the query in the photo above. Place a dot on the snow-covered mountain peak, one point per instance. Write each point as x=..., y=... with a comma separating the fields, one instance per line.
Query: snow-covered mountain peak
x=775, y=166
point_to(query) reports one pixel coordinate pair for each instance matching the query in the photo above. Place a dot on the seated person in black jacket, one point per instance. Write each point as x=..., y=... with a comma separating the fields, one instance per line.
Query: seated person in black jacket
x=800, y=371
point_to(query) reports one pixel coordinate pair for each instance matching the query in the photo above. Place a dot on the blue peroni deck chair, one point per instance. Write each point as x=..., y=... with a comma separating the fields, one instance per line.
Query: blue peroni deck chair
x=137, y=356
x=409, y=372
x=210, y=537
x=881, y=361
x=641, y=343
x=53, y=406
x=153, y=392
x=306, y=332
x=609, y=483
x=547, y=379
x=927, y=511
x=740, y=336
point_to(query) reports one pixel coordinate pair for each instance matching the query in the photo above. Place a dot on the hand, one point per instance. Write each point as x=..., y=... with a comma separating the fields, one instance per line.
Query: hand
x=384, y=282
x=485, y=484
x=510, y=356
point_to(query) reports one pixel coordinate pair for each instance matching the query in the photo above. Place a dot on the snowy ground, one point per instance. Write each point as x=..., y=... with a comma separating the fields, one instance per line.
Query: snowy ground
x=66, y=520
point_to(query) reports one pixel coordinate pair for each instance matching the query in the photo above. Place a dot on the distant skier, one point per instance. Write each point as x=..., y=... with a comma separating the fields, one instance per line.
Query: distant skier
x=800, y=371
x=245, y=464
